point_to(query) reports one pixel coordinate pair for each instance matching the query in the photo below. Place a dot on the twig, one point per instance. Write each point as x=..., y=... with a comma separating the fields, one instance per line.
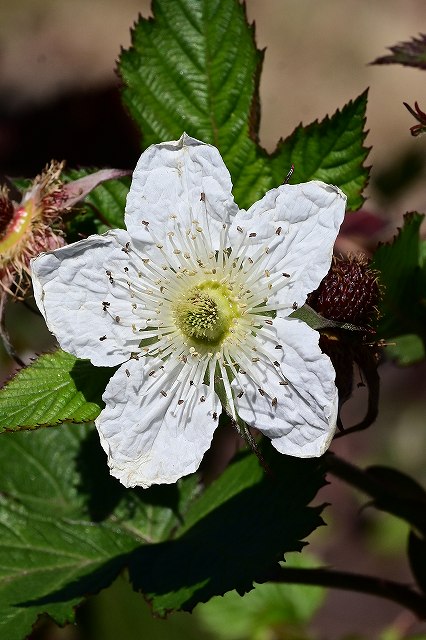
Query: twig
x=395, y=591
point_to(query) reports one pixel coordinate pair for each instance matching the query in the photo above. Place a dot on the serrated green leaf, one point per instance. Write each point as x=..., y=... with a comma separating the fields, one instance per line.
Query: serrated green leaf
x=402, y=308
x=195, y=67
x=56, y=388
x=410, y=54
x=38, y=554
x=46, y=541
x=66, y=526
x=238, y=529
x=331, y=150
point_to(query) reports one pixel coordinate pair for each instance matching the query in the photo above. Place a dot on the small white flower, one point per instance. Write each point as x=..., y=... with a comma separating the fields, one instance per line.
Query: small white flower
x=193, y=302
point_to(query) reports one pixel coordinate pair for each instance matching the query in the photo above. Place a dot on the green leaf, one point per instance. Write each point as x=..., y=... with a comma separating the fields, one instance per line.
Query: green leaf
x=195, y=67
x=236, y=532
x=331, y=150
x=407, y=349
x=119, y=613
x=410, y=54
x=66, y=526
x=403, y=308
x=44, y=540
x=56, y=388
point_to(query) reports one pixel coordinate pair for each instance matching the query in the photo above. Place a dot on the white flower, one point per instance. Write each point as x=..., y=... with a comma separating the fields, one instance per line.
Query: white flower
x=193, y=302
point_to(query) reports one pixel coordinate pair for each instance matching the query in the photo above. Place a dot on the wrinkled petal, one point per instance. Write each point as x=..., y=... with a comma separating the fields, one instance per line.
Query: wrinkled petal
x=299, y=417
x=71, y=285
x=150, y=438
x=186, y=181
x=298, y=225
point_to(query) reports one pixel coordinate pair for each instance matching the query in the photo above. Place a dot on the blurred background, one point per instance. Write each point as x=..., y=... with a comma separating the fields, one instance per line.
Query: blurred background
x=59, y=98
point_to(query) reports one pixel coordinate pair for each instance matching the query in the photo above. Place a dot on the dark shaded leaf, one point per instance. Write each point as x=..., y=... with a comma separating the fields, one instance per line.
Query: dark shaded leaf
x=400, y=495
x=238, y=529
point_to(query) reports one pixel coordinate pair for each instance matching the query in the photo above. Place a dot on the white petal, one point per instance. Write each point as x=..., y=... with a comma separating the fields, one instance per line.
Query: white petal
x=184, y=178
x=149, y=438
x=302, y=420
x=70, y=286
x=299, y=224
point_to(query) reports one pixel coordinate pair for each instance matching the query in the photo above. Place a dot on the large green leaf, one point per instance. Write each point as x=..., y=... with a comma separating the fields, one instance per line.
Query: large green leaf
x=195, y=67
x=62, y=537
x=236, y=532
x=403, y=279
x=67, y=527
x=56, y=388
x=45, y=542
x=38, y=554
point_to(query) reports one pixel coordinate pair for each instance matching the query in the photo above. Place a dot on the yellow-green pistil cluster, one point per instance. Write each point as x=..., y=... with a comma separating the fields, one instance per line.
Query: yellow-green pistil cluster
x=206, y=313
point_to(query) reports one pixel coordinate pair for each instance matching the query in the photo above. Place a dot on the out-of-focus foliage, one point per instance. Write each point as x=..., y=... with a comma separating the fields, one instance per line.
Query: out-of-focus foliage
x=402, y=269
x=411, y=53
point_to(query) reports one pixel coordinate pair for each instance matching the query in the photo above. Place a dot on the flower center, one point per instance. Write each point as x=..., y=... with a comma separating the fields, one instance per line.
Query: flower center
x=206, y=312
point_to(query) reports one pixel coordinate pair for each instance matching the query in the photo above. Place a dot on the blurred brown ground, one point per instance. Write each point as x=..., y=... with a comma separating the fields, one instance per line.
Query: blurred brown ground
x=56, y=55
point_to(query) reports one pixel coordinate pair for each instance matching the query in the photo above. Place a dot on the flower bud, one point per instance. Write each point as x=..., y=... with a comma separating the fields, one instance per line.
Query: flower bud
x=349, y=293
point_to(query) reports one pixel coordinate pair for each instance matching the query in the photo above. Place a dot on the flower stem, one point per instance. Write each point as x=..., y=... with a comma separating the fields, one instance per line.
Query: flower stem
x=380, y=587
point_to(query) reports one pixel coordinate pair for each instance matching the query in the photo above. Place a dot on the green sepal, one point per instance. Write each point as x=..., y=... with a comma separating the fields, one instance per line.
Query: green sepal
x=318, y=322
